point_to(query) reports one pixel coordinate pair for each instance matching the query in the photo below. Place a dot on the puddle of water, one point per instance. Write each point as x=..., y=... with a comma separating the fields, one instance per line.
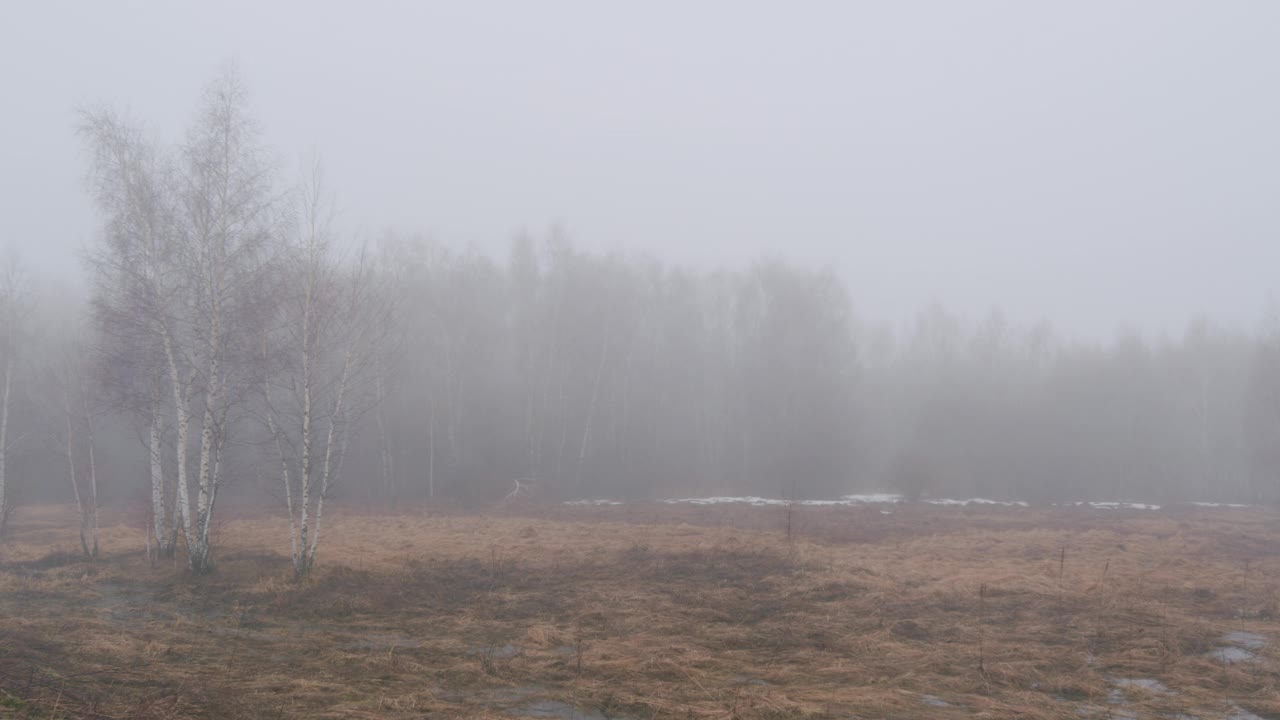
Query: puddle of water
x=1148, y=684
x=1239, y=713
x=934, y=701
x=748, y=680
x=1231, y=655
x=1241, y=646
x=1250, y=640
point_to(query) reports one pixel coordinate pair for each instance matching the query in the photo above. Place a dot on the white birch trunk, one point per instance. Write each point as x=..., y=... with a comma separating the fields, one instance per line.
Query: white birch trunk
x=200, y=561
x=182, y=518
x=162, y=537
x=200, y=558
x=305, y=460
x=326, y=473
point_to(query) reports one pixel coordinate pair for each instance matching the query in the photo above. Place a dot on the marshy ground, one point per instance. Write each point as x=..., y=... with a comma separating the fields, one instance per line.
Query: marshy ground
x=656, y=611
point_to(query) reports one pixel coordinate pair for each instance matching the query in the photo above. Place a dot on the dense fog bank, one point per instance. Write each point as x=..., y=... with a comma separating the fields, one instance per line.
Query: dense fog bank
x=230, y=341
x=588, y=375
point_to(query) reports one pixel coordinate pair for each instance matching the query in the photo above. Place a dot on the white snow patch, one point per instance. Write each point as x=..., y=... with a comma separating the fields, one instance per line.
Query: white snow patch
x=1111, y=505
x=844, y=501
x=977, y=501
x=883, y=498
x=1218, y=505
x=726, y=500
x=1149, y=684
x=872, y=498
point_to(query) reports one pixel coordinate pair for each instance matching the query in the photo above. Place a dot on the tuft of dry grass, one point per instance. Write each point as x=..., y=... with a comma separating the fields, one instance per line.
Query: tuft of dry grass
x=654, y=612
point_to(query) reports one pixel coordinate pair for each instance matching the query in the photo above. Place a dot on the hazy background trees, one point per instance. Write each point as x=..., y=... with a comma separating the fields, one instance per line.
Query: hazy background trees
x=588, y=375
x=234, y=342
x=603, y=375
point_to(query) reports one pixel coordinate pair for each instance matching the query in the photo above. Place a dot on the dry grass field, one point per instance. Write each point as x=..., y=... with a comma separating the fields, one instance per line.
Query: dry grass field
x=653, y=611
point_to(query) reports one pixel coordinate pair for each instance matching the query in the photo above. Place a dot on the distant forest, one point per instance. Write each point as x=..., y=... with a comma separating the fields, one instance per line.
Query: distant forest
x=603, y=376
x=230, y=334
x=590, y=375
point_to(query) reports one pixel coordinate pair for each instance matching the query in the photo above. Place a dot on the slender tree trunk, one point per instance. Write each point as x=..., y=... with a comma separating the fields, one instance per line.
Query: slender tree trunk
x=326, y=475
x=93, y=466
x=71, y=463
x=288, y=486
x=209, y=447
x=284, y=470
x=163, y=539
x=181, y=410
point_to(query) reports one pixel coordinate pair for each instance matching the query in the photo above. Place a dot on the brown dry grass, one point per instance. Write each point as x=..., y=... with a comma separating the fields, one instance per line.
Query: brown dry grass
x=653, y=612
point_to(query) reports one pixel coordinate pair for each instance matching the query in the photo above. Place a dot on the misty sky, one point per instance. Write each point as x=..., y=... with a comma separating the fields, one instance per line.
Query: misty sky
x=1098, y=164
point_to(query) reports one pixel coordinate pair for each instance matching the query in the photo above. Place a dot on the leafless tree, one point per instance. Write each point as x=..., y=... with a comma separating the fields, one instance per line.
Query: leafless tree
x=78, y=411
x=331, y=322
x=140, y=298
x=180, y=276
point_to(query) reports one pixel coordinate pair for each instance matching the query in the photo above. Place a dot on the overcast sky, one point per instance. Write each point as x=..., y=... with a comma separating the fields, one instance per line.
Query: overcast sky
x=1097, y=164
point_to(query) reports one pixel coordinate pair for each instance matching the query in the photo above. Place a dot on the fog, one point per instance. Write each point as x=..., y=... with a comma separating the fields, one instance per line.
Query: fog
x=1094, y=164
x=588, y=360
x=997, y=249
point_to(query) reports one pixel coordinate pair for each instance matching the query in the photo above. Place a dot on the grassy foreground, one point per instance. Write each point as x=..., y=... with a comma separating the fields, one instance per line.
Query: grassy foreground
x=657, y=612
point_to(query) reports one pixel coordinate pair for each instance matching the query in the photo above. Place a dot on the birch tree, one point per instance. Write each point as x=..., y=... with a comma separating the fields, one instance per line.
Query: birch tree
x=181, y=283
x=325, y=375
x=78, y=411
x=228, y=208
x=141, y=298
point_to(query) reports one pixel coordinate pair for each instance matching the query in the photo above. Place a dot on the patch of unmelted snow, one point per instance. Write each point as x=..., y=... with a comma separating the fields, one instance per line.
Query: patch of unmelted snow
x=725, y=500
x=872, y=498
x=1112, y=505
x=977, y=501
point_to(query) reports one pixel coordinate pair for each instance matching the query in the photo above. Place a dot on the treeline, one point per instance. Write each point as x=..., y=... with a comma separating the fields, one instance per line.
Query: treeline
x=233, y=343
x=607, y=376
x=599, y=375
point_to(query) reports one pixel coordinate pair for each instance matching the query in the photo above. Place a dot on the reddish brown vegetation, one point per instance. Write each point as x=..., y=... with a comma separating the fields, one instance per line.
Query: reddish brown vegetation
x=653, y=611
